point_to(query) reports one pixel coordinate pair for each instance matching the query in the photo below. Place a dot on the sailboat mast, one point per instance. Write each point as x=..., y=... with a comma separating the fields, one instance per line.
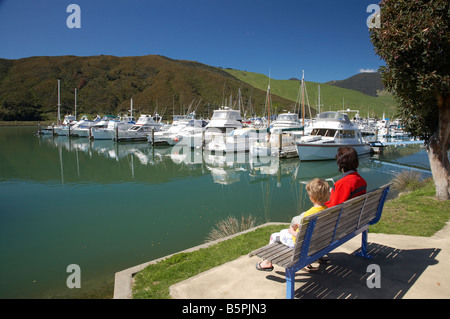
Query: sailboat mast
x=303, y=100
x=239, y=100
x=319, y=98
x=268, y=104
x=131, y=109
x=75, y=104
x=59, y=104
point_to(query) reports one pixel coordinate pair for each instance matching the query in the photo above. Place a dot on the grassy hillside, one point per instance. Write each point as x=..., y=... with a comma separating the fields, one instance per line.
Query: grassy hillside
x=105, y=85
x=367, y=83
x=332, y=97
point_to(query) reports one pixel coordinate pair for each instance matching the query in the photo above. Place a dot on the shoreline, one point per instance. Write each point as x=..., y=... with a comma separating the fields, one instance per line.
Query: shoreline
x=123, y=280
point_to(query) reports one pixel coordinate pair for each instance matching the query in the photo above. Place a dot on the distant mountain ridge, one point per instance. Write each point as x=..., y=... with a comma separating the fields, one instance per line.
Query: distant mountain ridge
x=367, y=83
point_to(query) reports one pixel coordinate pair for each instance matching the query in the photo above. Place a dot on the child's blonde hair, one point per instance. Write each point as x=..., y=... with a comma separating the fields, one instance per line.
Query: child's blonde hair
x=318, y=190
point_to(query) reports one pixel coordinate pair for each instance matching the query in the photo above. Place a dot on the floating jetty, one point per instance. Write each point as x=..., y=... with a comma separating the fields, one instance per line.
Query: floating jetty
x=378, y=146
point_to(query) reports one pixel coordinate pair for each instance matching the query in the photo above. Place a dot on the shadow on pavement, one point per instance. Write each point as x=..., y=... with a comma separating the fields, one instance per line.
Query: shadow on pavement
x=346, y=276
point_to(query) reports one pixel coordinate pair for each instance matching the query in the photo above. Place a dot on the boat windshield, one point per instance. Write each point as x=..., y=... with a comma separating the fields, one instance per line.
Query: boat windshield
x=323, y=132
x=226, y=114
x=288, y=117
x=333, y=116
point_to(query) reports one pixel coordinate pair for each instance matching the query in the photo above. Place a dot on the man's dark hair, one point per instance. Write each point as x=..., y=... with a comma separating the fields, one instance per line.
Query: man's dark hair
x=347, y=159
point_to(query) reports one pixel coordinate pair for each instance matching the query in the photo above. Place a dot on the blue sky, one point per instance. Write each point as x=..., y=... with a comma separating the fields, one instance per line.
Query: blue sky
x=328, y=39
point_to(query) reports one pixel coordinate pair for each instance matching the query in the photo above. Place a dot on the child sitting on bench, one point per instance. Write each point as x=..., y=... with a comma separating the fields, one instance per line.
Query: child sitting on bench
x=319, y=192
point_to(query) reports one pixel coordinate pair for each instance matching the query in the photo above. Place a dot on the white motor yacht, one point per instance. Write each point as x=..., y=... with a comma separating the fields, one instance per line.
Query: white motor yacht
x=331, y=131
x=190, y=136
x=238, y=140
x=113, y=126
x=81, y=128
x=163, y=136
x=101, y=124
x=138, y=132
x=223, y=120
x=63, y=129
x=286, y=121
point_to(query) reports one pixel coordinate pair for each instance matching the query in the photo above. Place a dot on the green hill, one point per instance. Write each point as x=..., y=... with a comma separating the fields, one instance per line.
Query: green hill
x=332, y=97
x=105, y=85
x=367, y=83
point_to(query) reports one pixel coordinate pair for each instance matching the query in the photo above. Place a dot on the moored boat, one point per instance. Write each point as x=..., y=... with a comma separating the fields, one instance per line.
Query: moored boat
x=331, y=131
x=286, y=122
x=138, y=132
x=238, y=140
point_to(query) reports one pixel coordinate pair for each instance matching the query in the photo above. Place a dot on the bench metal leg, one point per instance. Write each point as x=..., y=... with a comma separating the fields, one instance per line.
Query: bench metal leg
x=290, y=283
x=363, y=252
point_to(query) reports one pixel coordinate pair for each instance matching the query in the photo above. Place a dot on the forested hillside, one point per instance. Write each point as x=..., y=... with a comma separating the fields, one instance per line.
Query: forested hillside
x=105, y=85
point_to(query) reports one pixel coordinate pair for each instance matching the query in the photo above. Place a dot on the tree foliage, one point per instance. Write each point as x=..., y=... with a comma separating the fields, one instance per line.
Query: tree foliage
x=413, y=40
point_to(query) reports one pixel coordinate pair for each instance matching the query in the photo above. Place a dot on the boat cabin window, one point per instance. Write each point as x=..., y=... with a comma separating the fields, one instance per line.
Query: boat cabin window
x=346, y=134
x=323, y=132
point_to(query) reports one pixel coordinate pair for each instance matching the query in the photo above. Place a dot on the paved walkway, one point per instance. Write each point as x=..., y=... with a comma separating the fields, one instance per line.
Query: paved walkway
x=411, y=267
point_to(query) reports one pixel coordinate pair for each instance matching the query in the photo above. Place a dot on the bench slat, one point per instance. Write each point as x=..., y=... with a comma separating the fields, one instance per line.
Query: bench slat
x=273, y=251
x=262, y=249
x=283, y=255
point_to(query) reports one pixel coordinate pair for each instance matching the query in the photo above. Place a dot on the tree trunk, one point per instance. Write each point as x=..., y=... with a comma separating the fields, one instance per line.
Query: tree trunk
x=438, y=150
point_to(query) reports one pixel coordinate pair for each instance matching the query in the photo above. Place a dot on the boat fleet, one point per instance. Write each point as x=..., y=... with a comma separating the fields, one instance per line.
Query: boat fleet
x=226, y=132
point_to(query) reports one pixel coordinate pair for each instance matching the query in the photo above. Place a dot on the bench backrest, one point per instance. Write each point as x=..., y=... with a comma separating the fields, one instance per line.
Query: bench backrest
x=319, y=230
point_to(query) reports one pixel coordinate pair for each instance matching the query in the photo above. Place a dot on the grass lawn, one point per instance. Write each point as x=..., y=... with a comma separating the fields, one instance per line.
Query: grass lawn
x=154, y=281
x=417, y=213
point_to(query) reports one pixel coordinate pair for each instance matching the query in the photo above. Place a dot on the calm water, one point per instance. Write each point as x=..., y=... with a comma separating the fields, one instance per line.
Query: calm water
x=108, y=206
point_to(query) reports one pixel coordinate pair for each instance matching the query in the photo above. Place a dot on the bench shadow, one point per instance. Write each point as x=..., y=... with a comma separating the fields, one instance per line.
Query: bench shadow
x=346, y=275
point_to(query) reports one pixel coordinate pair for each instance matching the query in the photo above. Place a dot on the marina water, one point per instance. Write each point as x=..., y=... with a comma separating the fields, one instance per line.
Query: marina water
x=108, y=206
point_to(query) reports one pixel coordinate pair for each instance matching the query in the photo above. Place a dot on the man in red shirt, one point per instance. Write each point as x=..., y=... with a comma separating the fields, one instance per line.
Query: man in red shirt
x=351, y=184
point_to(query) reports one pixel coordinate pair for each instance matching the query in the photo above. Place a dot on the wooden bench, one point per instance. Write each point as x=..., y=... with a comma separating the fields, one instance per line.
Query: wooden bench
x=322, y=232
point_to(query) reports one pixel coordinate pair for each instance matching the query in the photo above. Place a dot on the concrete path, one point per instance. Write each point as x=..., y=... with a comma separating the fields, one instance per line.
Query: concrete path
x=410, y=268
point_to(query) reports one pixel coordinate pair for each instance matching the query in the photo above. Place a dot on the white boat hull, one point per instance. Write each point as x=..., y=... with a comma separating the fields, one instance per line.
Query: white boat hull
x=318, y=152
x=46, y=131
x=61, y=131
x=132, y=136
x=242, y=146
x=80, y=132
x=191, y=141
x=103, y=134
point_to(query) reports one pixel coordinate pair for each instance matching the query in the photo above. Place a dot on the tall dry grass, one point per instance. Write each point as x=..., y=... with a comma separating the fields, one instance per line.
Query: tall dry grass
x=407, y=181
x=230, y=226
